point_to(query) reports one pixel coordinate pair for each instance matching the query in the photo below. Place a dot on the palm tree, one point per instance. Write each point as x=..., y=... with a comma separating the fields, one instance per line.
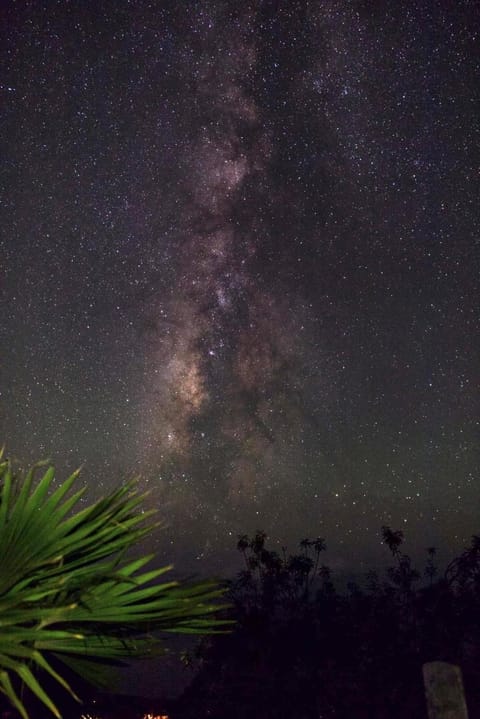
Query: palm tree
x=69, y=597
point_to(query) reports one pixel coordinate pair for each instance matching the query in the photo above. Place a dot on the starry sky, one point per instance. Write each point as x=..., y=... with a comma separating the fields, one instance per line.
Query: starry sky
x=237, y=258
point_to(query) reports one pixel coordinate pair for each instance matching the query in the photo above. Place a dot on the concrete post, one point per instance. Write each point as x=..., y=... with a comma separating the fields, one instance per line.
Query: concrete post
x=444, y=691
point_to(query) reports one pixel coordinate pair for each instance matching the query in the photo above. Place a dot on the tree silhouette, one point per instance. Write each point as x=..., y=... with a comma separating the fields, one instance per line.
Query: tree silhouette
x=301, y=648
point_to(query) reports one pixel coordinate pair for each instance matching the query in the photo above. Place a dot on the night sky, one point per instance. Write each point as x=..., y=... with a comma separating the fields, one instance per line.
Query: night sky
x=238, y=258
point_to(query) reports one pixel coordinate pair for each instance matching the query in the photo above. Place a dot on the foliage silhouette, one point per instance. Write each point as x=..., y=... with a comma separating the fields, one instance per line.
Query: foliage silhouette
x=301, y=648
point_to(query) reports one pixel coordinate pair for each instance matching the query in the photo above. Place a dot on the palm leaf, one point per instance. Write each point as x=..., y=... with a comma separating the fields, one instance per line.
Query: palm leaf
x=67, y=591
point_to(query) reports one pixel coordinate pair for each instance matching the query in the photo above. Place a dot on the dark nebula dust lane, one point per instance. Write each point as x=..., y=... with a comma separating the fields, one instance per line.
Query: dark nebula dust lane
x=238, y=258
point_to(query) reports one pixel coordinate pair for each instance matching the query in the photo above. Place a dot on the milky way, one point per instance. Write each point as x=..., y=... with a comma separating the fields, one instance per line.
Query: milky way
x=238, y=259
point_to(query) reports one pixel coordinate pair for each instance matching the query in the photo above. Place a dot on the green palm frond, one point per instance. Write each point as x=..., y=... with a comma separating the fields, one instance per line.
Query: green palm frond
x=67, y=591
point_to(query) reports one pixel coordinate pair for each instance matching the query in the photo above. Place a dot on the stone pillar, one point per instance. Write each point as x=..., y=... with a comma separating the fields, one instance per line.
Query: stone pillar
x=444, y=691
